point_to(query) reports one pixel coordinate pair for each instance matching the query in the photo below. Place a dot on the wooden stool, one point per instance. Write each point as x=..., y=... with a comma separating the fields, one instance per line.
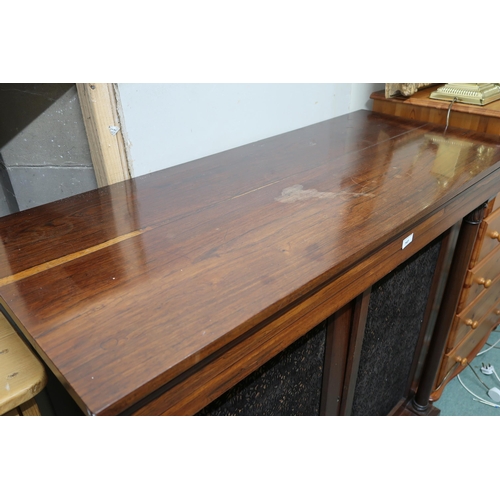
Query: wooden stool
x=22, y=376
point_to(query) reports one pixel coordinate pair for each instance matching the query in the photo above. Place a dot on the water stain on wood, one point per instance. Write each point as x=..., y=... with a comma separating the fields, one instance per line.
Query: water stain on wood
x=298, y=193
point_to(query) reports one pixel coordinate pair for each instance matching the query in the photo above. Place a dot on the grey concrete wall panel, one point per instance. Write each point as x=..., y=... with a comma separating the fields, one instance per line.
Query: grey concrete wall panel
x=44, y=147
x=8, y=202
x=4, y=206
x=55, y=137
x=39, y=185
x=21, y=103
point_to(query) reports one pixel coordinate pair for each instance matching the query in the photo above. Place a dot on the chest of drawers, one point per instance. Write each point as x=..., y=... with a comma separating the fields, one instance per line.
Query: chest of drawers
x=478, y=310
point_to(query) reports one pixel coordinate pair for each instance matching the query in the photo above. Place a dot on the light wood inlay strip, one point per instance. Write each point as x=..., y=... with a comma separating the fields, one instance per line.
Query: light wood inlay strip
x=68, y=258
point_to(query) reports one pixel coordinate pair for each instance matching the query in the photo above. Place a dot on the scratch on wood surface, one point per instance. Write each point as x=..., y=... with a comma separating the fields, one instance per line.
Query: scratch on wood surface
x=68, y=258
x=253, y=190
x=298, y=193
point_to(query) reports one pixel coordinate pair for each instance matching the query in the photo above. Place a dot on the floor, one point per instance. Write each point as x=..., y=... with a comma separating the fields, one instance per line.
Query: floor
x=456, y=401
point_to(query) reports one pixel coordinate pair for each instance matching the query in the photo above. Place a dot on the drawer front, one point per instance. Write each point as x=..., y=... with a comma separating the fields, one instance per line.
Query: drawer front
x=474, y=337
x=470, y=317
x=480, y=278
x=491, y=234
x=478, y=252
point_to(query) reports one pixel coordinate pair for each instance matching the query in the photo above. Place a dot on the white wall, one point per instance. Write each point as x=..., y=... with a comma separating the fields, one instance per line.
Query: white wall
x=168, y=124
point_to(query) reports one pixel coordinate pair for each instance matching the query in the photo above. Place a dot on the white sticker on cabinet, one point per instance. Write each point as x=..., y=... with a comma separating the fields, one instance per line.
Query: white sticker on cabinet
x=407, y=241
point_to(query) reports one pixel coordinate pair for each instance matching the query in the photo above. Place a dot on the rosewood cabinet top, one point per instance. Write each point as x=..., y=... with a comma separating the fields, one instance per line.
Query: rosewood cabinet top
x=126, y=287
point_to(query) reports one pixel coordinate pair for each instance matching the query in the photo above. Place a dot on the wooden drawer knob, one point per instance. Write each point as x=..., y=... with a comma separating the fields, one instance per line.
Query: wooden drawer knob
x=497, y=312
x=482, y=281
x=495, y=235
x=472, y=324
x=462, y=361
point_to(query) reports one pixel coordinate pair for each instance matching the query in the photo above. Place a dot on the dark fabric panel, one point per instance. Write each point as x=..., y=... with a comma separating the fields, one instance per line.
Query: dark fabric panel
x=395, y=315
x=288, y=384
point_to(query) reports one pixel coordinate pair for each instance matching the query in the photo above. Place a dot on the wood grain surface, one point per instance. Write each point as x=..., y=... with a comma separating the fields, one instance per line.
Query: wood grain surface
x=135, y=288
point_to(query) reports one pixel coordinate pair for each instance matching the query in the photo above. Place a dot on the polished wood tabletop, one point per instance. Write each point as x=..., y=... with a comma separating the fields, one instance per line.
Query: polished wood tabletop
x=125, y=288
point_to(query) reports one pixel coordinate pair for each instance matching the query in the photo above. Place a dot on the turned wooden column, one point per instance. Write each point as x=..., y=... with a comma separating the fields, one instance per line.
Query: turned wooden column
x=461, y=258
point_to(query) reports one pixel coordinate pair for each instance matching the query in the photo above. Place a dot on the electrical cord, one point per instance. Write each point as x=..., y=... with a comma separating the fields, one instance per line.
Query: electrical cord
x=482, y=401
x=448, y=115
x=477, y=398
x=477, y=376
x=494, y=371
x=448, y=373
x=489, y=348
x=491, y=345
x=488, y=370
